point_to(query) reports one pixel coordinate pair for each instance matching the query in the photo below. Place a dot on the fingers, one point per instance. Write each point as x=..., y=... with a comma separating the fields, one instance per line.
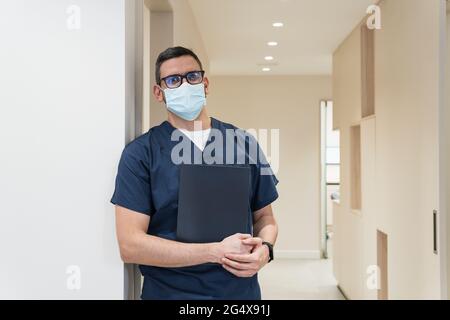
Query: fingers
x=236, y=265
x=245, y=249
x=239, y=273
x=241, y=257
x=244, y=265
x=253, y=241
x=243, y=236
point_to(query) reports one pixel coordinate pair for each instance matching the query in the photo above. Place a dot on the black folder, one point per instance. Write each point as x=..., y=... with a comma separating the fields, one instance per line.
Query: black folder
x=213, y=202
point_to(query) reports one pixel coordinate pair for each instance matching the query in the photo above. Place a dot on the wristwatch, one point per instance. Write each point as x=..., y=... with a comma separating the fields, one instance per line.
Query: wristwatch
x=270, y=246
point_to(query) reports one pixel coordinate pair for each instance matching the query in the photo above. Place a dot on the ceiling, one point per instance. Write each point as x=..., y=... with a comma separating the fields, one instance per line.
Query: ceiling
x=235, y=33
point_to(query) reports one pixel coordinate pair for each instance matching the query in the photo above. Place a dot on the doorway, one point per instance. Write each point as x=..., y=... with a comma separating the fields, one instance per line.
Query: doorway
x=330, y=175
x=149, y=31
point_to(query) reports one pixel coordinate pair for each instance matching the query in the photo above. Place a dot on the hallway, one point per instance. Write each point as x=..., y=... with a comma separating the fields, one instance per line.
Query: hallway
x=295, y=279
x=348, y=97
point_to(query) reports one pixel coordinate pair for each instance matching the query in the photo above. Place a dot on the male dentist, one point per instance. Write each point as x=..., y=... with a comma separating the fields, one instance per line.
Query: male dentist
x=146, y=200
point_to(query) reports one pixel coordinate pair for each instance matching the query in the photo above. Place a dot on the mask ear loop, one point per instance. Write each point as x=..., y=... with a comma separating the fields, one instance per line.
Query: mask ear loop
x=162, y=90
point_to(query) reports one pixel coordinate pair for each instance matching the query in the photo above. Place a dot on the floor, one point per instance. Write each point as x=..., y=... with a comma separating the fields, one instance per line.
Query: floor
x=299, y=280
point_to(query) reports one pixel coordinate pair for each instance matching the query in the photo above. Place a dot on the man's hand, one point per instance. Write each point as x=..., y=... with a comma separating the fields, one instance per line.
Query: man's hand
x=235, y=244
x=136, y=246
x=247, y=265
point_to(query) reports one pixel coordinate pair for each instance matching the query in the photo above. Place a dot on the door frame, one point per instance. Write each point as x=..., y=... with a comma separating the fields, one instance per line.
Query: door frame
x=323, y=181
x=135, y=75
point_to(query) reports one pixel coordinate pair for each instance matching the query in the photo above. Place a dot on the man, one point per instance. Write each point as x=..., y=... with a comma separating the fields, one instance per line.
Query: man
x=146, y=199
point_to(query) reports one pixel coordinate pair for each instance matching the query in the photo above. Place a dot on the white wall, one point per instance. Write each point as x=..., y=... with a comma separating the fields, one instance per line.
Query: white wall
x=350, y=244
x=291, y=104
x=62, y=129
x=446, y=154
x=400, y=153
x=407, y=104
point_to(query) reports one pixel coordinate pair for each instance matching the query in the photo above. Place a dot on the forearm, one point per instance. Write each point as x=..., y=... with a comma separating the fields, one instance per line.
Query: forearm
x=266, y=228
x=154, y=251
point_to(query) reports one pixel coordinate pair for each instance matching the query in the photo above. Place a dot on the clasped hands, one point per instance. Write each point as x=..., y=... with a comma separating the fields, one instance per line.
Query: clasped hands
x=242, y=254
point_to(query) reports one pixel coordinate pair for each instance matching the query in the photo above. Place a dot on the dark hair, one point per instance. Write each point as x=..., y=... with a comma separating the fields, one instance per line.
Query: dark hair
x=172, y=53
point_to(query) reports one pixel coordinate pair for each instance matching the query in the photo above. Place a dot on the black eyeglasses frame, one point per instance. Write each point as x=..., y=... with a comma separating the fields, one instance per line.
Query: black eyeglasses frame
x=185, y=76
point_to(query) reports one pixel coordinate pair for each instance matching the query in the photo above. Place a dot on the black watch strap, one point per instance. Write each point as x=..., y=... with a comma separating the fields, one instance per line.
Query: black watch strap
x=270, y=246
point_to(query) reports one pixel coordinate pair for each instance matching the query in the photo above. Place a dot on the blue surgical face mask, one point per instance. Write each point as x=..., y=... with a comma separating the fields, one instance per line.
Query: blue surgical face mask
x=186, y=101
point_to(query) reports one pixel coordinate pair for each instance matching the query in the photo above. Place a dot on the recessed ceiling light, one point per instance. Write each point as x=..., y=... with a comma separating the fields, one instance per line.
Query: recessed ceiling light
x=265, y=69
x=268, y=58
x=278, y=24
x=272, y=43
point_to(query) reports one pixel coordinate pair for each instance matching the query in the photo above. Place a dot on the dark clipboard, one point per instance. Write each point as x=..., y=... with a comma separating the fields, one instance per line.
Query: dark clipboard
x=213, y=202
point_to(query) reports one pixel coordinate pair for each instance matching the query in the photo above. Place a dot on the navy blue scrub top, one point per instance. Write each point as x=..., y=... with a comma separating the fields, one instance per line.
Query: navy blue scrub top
x=147, y=182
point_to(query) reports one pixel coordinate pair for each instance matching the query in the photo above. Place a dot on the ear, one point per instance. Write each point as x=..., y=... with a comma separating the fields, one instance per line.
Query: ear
x=158, y=93
x=206, y=83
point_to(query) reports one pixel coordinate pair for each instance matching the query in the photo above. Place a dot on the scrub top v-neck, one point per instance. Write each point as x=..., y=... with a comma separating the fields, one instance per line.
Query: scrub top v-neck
x=199, y=138
x=147, y=182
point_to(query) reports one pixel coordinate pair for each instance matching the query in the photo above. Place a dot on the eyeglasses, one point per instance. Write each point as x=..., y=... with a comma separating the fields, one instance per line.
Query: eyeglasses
x=175, y=80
